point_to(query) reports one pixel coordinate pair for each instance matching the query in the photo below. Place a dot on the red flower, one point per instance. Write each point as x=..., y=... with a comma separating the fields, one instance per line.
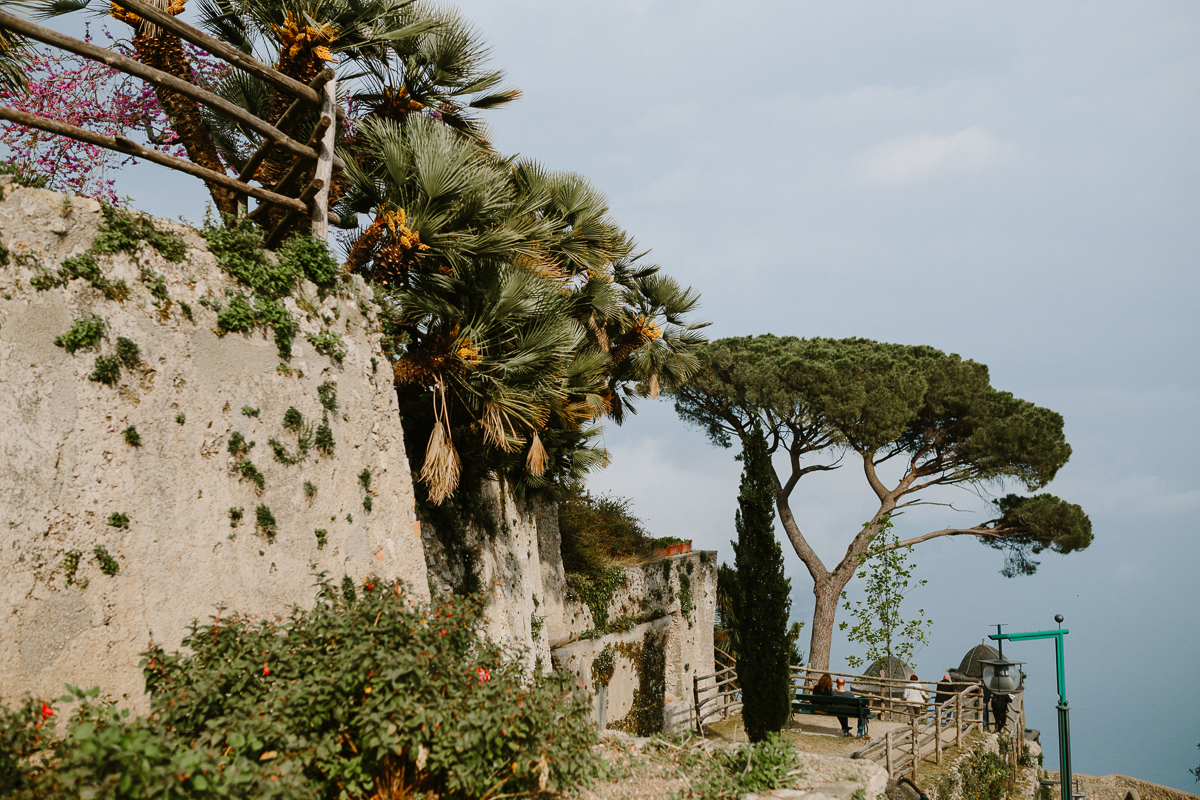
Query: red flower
x=47, y=713
x=266, y=670
x=369, y=587
x=483, y=674
x=443, y=632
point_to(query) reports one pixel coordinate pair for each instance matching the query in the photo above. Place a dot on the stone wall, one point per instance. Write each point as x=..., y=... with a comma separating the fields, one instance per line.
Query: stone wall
x=66, y=466
x=667, y=603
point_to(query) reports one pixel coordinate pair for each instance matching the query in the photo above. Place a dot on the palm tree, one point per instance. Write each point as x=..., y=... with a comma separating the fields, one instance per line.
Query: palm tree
x=515, y=298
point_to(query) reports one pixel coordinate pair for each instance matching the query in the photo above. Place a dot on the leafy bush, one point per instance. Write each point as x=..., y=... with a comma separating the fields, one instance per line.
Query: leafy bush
x=983, y=775
x=107, y=371
x=118, y=519
x=596, y=531
x=122, y=231
x=128, y=353
x=328, y=394
x=353, y=699
x=264, y=523
x=750, y=768
x=304, y=256
x=329, y=344
x=84, y=334
x=323, y=440
x=108, y=564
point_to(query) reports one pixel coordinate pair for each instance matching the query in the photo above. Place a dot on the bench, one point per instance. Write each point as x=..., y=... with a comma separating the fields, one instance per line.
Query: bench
x=858, y=708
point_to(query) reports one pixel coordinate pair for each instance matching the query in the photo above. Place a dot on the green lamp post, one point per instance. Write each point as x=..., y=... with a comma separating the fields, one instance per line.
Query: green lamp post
x=1064, y=722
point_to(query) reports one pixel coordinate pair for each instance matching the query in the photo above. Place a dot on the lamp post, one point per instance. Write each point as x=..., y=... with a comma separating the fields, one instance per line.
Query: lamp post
x=1064, y=722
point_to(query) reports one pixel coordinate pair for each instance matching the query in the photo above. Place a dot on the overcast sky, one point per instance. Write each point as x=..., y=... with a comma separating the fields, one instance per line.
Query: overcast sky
x=1012, y=182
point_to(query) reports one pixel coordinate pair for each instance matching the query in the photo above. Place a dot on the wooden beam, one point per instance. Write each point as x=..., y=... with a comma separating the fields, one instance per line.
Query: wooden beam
x=251, y=167
x=155, y=76
x=324, y=171
x=306, y=198
x=125, y=145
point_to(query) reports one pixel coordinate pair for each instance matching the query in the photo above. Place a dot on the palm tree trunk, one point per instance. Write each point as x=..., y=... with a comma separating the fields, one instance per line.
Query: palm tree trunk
x=164, y=51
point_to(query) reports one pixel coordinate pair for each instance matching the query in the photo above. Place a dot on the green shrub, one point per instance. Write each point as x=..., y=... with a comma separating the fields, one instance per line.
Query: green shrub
x=264, y=523
x=107, y=370
x=156, y=283
x=235, y=516
x=304, y=256
x=983, y=775
x=118, y=519
x=108, y=564
x=122, y=231
x=368, y=503
x=248, y=411
x=70, y=567
x=238, y=446
x=85, y=333
x=321, y=535
x=250, y=472
x=328, y=344
x=364, y=480
x=748, y=769
x=23, y=176
x=132, y=437
x=238, y=248
x=323, y=440
x=598, y=531
x=180, y=418
x=327, y=392
x=128, y=353
x=310, y=490
x=348, y=700
x=187, y=311
x=292, y=419
x=237, y=317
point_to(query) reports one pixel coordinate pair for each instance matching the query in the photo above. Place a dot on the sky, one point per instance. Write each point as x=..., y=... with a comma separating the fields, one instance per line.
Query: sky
x=1015, y=183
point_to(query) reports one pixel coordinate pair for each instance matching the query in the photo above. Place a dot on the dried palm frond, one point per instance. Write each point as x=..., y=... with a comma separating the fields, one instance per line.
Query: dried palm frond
x=537, y=460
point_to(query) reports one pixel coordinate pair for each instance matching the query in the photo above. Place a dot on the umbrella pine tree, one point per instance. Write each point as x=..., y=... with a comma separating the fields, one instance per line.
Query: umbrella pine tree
x=762, y=598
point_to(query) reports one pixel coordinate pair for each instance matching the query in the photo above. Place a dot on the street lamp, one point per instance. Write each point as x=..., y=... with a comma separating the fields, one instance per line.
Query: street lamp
x=1064, y=722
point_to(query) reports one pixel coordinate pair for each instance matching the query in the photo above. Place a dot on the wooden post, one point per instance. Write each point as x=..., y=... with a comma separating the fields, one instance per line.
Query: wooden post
x=916, y=749
x=887, y=752
x=937, y=732
x=320, y=203
x=696, y=705
x=958, y=720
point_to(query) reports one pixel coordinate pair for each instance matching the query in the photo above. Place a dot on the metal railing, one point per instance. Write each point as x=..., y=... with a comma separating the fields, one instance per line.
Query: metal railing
x=319, y=96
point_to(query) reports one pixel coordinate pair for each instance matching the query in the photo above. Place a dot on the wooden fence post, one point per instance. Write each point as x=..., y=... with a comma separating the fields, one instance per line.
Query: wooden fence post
x=887, y=750
x=696, y=705
x=958, y=720
x=324, y=172
x=916, y=749
x=937, y=732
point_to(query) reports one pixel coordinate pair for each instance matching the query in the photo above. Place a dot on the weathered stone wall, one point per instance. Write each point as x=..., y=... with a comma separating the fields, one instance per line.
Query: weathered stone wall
x=675, y=597
x=65, y=466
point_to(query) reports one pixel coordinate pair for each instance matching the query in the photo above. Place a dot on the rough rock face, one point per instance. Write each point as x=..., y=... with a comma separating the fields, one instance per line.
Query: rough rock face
x=67, y=464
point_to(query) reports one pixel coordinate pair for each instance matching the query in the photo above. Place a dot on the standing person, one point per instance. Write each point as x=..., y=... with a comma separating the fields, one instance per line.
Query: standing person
x=842, y=691
x=945, y=692
x=987, y=698
x=915, y=694
x=1000, y=710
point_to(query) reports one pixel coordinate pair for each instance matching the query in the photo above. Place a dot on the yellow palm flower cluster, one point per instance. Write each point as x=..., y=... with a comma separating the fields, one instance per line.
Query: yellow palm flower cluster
x=296, y=39
x=172, y=7
x=647, y=328
x=468, y=353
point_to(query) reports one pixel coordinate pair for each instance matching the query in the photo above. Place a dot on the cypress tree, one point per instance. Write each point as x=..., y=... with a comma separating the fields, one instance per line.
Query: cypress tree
x=762, y=600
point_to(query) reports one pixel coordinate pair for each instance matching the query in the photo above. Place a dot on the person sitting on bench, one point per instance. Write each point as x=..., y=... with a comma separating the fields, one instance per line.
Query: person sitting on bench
x=842, y=691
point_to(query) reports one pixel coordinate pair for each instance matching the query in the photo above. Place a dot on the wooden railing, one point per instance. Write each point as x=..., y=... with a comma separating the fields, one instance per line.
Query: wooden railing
x=319, y=96
x=716, y=701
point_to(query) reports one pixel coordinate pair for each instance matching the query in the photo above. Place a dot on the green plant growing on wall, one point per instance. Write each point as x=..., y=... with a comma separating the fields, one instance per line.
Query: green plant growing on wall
x=310, y=490
x=249, y=411
x=264, y=523
x=368, y=503
x=238, y=446
x=349, y=593
x=157, y=285
x=70, y=565
x=108, y=564
x=235, y=516
x=123, y=231
x=187, y=311
x=85, y=333
x=323, y=439
x=596, y=592
x=327, y=393
x=762, y=600
x=107, y=370
x=364, y=480
x=878, y=622
x=321, y=535
x=132, y=437
x=292, y=419
x=329, y=344
x=251, y=473
x=128, y=353
x=118, y=519
x=649, y=658
x=180, y=418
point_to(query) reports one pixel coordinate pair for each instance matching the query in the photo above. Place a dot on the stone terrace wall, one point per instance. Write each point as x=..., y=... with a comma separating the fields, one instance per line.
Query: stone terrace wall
x=65, y=466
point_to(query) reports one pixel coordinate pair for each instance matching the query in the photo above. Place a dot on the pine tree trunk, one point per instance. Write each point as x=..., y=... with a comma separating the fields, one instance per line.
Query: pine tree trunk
x=827, y=593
